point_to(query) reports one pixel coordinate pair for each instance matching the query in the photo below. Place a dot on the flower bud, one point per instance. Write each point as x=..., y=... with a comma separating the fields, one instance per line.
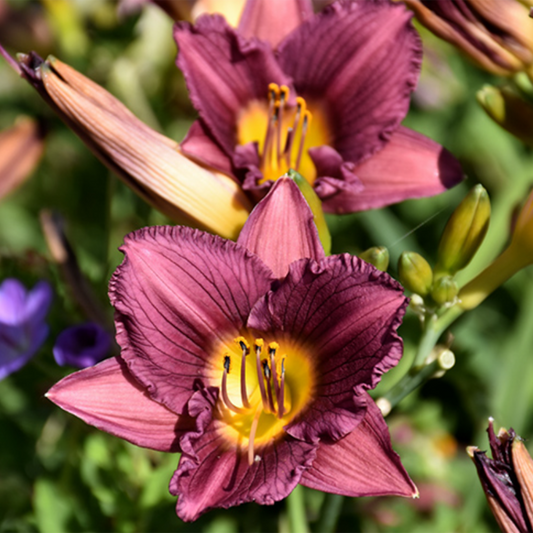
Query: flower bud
x=509, y=110
x=377, y=256
x=415, y=273
x=444, y=290
x=464, y=232
x=150, y=163
x=516, y=256
x=21, y=147
x=496, y=34
x=315, y=205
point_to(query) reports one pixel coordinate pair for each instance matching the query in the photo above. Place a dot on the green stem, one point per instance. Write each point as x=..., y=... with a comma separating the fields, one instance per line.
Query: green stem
x=420, y=371
x=434, y=328
x=296, y=510
x=409, y=382
x=331, y=509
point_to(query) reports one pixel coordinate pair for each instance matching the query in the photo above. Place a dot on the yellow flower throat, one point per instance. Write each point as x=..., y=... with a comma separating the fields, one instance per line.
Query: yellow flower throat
x=267, y=389
x=284, y=134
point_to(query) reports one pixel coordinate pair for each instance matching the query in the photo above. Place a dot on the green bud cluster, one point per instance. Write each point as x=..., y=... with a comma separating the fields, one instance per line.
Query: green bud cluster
x=460, y=241
x=377, y=256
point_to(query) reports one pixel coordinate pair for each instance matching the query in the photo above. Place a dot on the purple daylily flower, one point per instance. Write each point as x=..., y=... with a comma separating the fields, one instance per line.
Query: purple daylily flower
x=253, y=359
x=326, y=99
x=82, y=346
x=22, y=325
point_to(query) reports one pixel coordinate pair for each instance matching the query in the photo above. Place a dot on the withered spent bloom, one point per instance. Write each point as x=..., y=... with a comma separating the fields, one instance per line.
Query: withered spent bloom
x=496, y=34
x=507, y=479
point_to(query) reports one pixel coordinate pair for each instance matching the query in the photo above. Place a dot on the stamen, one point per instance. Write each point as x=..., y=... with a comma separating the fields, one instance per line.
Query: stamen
x=259, y=343
x=288, y=146
x=251, y=438
x=244, y=392
x=300, y=107
x=305, y=125
x=273, y=96
x=272, y=347
x=281, y=393
x=273, y=92
x=283, y=97
x=268, y=375
x=224, y=388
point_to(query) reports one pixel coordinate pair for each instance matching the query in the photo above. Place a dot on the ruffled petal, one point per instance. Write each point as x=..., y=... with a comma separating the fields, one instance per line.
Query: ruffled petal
x=273, y=20
x=359, y=61
x=215, y=473
x=281, y=228
x=224, y=72
x=180, y=295
x=107, y=397
x=409, y=166
x=200, y=146
x=361, y=464
x=344, y=313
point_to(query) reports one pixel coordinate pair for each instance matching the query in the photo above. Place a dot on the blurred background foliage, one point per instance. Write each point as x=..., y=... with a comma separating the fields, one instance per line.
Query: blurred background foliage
x=59, y=475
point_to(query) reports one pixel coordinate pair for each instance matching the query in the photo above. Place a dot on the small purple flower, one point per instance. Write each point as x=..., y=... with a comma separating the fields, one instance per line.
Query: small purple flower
x=22, y=326
x=253, y=359
x=82, y=345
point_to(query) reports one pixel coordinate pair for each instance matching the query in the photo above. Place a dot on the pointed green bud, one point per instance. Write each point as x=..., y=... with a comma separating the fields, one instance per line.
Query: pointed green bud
x=377, y=256
x=444, y=290
x=464, y=232
x=316, y=207
x=415, y=273
x=506, y=107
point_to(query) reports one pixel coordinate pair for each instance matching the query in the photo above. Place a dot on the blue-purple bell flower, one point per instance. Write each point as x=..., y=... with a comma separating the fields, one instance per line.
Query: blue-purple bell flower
x=22, y=325
x=82, y=346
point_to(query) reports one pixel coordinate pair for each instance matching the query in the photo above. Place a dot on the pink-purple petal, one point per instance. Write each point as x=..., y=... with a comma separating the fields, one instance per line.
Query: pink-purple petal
x=360, y=61
x=224, y=72
x=281, y=228
x=200, y=146
x=409, y=166
x=345, y=313
x=272, y=20
x=107, y=397
x=361, y=464
x=214, y=472
x=179, y=294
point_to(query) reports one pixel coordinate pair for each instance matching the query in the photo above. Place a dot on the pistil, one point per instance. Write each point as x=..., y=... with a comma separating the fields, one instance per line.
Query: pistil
x=259, y=343
x=281, y=392
x=268, y=375
x=251, y=437
x=245, y=351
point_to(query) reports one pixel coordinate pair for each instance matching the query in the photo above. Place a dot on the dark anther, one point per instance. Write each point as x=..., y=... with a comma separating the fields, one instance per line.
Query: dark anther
x=266, y=369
